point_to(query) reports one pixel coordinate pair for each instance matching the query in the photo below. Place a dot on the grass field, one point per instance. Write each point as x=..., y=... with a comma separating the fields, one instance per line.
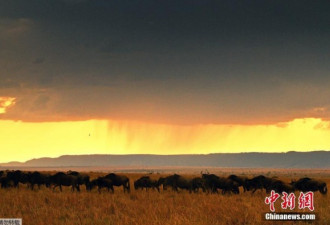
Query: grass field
x=40, y=207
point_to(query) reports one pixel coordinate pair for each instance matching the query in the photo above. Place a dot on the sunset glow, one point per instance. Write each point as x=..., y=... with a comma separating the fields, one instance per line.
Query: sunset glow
x=163, y=77
x=22, y=141
x=6, y=102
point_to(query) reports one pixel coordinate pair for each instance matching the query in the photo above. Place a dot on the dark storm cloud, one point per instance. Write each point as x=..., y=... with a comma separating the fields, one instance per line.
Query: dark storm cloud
x=167, y=61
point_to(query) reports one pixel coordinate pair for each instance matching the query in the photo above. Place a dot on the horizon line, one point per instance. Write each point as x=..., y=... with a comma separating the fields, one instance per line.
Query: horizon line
x=233, y=153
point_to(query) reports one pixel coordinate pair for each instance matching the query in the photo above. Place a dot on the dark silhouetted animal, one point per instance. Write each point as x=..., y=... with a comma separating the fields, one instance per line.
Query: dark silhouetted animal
x=146, y=182
x=5, y=182
x=241, y=181
x=119, y=180
x=17, y=177
x=179, y=182
x=213, y=183
x=176, y=181
x=101, y=182
x=308, y=184
x=258, y=183
x=198, y=183
x=279, y=186
x=37, y=178
x=82, y=178
x=61, y=179
x=161, y=181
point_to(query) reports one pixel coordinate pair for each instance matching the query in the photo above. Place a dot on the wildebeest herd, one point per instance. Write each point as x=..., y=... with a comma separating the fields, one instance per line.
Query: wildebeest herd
x=209, y=183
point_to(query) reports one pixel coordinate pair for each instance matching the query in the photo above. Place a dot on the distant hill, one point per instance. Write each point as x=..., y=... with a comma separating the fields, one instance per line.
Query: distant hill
x=315, y=159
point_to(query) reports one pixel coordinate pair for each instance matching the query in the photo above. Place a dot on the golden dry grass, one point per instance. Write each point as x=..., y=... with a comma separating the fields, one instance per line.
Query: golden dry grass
x=40, y=207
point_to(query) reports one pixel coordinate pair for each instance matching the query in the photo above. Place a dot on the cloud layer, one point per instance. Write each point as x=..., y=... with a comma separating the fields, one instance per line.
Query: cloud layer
x=182, y=62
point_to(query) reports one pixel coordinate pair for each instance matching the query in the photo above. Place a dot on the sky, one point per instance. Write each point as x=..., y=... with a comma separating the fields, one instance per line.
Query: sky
x=163, y=77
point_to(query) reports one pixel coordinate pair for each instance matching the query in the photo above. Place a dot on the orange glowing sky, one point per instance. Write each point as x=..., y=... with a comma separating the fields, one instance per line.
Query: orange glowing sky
x=6, y=102
x=25, y=140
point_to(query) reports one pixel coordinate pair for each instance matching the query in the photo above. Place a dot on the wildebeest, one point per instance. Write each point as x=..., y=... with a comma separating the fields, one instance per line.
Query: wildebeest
x=161, y=181
x=241, y=181
x=146, y=182
x=82, y=178
x=119, y=180
x=197, y=183
x=5, y=181
x=101, y=182
x=307, y=184
x=213, y=183
x=17, y=177
x=61, y=178
x=258, y=182
x=176, y=181
x=210, y=181
x=37, y=178
x=279, y=186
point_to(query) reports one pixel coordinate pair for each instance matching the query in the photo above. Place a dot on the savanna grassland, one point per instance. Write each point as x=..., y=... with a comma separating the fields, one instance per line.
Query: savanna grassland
x=40, y=207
